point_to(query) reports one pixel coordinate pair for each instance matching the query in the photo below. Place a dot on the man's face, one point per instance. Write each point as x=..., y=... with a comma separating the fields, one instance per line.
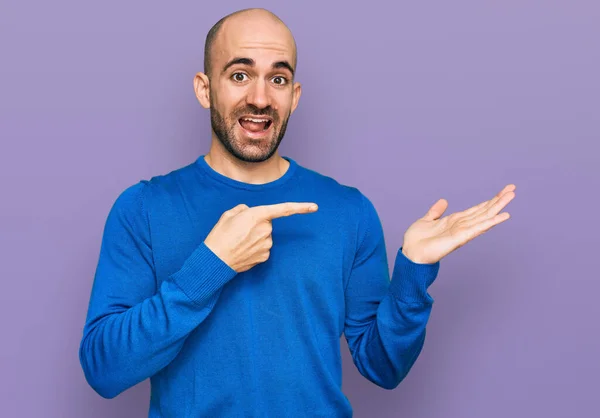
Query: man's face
x=252, y=93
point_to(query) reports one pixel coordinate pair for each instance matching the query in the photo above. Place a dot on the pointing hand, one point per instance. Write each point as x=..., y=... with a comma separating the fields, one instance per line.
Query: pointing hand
x=242, y=236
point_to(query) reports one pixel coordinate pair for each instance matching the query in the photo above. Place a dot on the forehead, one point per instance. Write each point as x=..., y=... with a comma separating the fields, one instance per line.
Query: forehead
x=265, y=41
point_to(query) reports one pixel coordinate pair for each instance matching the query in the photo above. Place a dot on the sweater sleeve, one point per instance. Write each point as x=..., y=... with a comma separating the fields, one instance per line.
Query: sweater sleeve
x=135, y=327
x=385, y=321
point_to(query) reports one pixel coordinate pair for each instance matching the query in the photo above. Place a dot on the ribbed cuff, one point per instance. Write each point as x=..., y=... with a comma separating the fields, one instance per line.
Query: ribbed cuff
x=411, y=280
x=202, y=274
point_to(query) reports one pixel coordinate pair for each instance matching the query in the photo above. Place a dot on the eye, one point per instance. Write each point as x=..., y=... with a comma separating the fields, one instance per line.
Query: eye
x=279, y=80
x=239, y=77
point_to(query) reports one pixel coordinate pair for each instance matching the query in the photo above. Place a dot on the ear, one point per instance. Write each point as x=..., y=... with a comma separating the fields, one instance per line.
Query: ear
x=296, y=93
x=202, y=89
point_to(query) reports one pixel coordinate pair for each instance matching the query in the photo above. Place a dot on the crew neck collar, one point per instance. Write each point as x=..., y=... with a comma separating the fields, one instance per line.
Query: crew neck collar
x=209, y=171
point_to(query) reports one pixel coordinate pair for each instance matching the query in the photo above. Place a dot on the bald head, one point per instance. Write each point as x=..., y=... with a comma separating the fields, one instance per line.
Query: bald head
x=244, y=24
x=248, y=83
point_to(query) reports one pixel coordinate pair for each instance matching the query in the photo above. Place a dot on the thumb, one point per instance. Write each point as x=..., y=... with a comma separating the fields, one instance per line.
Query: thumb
x=436, y=210
x=237, y=209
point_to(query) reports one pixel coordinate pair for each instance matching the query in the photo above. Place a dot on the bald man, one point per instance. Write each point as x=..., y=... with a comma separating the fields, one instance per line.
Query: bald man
x=230, y=281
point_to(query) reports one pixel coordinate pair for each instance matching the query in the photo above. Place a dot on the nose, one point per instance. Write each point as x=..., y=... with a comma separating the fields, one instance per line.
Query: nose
x=258, y=94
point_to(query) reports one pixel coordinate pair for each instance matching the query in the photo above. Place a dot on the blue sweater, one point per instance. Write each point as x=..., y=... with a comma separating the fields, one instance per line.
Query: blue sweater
x=262, y=343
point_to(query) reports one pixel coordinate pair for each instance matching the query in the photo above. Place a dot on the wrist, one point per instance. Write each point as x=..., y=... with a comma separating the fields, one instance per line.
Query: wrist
x=413, y=256
x=411, y=280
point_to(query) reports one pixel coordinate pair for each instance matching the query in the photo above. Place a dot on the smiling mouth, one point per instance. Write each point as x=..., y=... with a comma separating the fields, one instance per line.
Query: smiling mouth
x=255, y=124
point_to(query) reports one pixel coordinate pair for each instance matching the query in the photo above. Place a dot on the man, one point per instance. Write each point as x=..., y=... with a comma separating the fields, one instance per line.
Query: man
x=224, y=283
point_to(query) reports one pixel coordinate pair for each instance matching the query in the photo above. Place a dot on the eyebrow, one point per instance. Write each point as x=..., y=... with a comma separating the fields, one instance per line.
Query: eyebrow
x=250, y=62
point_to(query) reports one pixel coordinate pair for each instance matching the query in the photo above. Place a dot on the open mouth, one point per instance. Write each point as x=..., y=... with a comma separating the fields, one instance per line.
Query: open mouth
x=255, y=124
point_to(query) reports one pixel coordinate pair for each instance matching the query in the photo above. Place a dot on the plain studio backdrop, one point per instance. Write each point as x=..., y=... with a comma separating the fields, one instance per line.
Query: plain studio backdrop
x=409, y=102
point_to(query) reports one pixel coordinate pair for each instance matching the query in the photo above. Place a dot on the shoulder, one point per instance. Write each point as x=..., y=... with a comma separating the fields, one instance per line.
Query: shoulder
x=135, y=198
x=345, y=195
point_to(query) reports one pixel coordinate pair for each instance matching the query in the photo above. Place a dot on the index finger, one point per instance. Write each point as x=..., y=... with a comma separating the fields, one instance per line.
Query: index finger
x=278, y=210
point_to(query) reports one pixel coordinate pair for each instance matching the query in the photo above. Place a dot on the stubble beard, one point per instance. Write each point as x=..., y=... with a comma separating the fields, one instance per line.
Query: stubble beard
x=255, y=152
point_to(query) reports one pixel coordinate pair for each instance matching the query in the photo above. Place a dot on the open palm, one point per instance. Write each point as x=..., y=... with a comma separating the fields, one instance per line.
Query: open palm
x=432, y=237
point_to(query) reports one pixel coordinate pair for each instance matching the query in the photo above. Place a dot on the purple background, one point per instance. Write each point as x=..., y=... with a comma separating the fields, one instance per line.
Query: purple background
x=408, y=102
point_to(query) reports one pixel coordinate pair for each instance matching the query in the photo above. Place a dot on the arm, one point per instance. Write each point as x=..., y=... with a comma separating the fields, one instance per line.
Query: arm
x=134, y=329
x=385, y=322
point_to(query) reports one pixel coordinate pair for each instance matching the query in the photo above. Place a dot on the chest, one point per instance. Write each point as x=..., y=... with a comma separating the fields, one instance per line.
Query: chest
x=306, y=272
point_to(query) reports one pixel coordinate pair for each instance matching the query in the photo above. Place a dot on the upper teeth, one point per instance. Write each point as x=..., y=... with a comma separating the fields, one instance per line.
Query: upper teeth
x=256, y=120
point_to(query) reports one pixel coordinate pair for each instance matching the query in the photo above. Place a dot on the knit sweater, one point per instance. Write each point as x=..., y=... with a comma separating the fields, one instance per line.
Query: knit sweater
x=264, y=342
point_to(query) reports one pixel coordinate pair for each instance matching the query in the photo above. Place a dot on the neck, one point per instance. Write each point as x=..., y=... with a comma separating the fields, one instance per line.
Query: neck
x=220, y=160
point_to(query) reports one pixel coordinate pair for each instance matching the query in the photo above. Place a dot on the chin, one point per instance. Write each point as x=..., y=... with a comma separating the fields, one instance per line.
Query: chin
x=252, y=151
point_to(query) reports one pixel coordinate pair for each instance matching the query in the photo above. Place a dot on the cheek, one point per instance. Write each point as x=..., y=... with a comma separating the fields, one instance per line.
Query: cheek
x=228, y=100
x=283, y=103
